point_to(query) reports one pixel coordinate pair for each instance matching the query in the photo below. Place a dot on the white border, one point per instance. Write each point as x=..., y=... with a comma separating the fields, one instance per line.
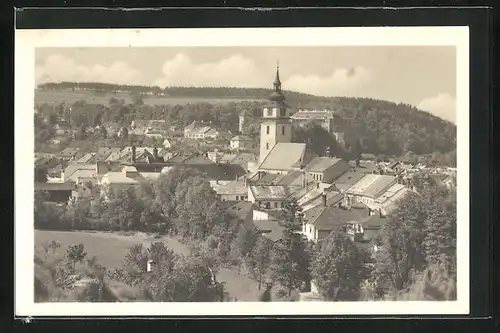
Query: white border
x=27, y=40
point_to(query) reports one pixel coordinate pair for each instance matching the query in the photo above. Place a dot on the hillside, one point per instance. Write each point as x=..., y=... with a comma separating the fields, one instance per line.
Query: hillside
x=383, y=128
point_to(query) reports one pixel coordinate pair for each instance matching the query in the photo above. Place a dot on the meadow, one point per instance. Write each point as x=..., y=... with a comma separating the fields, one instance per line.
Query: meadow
x=70, y=97
x=110, y=249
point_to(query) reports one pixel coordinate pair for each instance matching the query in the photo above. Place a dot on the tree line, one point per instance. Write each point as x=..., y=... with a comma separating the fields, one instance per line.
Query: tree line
x=382, y=128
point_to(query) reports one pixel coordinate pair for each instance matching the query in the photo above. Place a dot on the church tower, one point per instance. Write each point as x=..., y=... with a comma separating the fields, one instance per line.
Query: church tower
x=242, y=120
x=275, y=122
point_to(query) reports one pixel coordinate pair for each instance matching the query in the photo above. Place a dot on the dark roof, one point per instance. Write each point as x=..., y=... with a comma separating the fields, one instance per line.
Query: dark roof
x=350, y=177
x=320, y=164
x=54, y=186
x=270, y=229
x=328, y=218
x=220, y=171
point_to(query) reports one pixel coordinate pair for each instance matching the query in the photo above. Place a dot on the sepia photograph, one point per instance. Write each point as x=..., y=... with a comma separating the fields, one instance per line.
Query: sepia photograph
x=284, y=171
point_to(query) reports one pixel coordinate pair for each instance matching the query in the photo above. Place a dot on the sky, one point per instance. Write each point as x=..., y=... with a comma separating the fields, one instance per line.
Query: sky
x=423, y=76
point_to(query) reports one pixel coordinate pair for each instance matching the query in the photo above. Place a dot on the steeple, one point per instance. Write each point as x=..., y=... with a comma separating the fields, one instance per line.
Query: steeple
x=277, y=94
x=277, y=82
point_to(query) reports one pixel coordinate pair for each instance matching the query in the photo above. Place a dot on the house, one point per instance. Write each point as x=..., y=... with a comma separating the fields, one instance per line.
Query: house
x=389, y=201
x=368, y=189
x=73, y=171
x=324, y=118
x=154, y=134
x=68, y=153
x=119, y=180
x=319, y=222
x=241, y=142
x=199, y=130
x=231, y=191
x=326, y=169
x=268, y=197
x=285, y=157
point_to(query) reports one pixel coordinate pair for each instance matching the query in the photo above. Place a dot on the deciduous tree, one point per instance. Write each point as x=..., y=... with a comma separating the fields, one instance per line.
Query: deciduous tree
x=290, y=256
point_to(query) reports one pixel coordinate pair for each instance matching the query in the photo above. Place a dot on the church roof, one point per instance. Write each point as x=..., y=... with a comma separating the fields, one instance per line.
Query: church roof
x=286, y=156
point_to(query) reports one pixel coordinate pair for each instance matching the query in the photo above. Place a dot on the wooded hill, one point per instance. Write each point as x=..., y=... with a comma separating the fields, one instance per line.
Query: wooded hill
x=384, y=128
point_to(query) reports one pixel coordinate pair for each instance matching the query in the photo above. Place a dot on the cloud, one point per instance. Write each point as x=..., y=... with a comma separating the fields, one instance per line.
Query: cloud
x=442, y=105
x=60, y=68
x=234, y=71
x=342, y=82
x=239, y=71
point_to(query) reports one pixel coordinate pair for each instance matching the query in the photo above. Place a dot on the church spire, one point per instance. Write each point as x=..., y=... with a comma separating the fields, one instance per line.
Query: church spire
x=277, y=82
x=277, y=94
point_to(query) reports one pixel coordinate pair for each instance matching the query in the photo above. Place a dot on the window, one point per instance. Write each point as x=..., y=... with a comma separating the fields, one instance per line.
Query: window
x=269, y=112
x=237, y=198
x=275, y=205
x=267, y=145
x=282, y=112
x=267, y=129
x=283, y=130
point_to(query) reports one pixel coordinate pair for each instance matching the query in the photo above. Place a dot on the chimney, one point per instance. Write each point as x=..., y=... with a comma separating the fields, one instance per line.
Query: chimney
x=133, y=154
x=324, y=198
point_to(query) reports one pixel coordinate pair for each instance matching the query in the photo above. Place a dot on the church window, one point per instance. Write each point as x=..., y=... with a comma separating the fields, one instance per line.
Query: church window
x=267, y=129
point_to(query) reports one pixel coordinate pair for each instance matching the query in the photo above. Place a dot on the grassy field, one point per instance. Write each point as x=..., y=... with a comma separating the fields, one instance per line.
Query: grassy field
x=110, y=249
x=70, y=97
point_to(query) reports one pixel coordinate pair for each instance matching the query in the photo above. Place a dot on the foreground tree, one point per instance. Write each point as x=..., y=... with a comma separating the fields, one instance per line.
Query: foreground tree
x=290, y=255
x=261, y=259
x=172, y=278
x=421, y=232
x=337, y=268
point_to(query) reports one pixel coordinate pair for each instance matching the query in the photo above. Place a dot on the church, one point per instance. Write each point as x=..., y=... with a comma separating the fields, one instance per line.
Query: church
x=278, y=154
